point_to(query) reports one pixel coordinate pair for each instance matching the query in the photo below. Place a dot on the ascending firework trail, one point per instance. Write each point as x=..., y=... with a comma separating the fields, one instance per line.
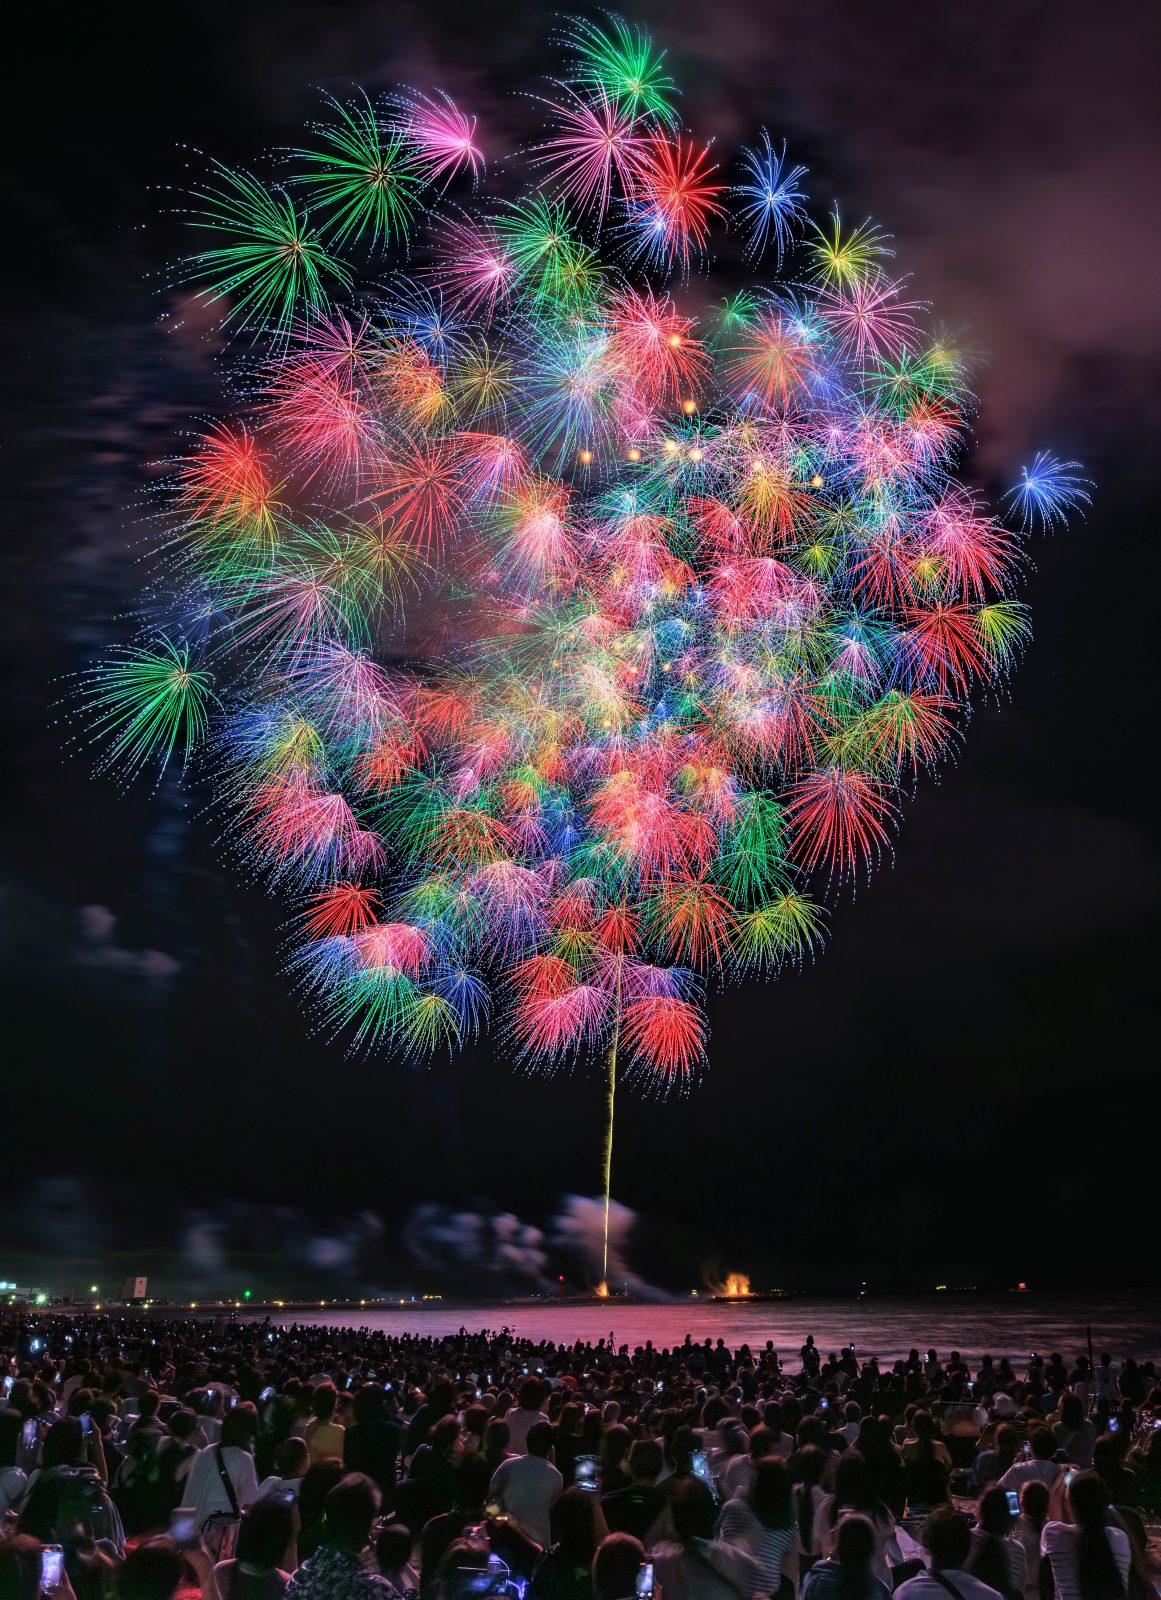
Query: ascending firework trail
x=689, y=602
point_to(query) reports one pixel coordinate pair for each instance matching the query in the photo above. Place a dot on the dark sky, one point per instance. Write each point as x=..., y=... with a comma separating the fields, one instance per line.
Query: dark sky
x=964, y=1087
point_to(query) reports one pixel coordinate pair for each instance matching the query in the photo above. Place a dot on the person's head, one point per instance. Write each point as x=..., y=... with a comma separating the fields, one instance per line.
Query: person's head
x=923, y=1424
x=64, y=1444
x=317, y=1482
x=1096, y=1568
x=265, y=1533
x=646, y=1461
x=852, y=1411
x=393, y=1547
x=771, y=1493
x=292, y=1457
x=616, y=1442
x=694, y=1511
x=460, y=1555
x=1087, y=1500
x=371, y=1403
x=994, y=1514
x=182, y=1424
x=1043, y=1444
x=148, y=1405
x=855, y=1545
x=1034, y=1499
x=475, y=1420
x=572, y=1522
x=1007, y=1441
x=850, y=1481
x=348, y=1512
x=324, y=1399
x=1072, y=1411
x=947, y=1537
x=11, y=1425
x=735, y=1439
x=1107, y=1453
x=20, y=1567
x=444, y=1435
x=153, y=1571
x=496, y=1437
x=473, y=1476
x=540, y=1439
x=531, y=1394
x=239, y=1426
x=615, y=1566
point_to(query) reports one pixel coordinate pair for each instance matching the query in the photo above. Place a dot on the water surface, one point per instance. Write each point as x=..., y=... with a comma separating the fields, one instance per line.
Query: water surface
x=1010, y=1325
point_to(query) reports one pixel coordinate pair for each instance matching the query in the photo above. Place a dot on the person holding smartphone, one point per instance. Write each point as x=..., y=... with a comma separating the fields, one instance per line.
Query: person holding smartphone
x=995, y=1557
x=1041, y=1464
x=619, y=1569
x=27, y=1567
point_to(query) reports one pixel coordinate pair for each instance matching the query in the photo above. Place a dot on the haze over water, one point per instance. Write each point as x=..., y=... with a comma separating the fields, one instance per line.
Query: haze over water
x=1009, y=1325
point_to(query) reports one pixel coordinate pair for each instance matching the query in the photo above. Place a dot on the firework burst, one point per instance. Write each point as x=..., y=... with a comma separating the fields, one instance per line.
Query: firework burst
x=699, y=598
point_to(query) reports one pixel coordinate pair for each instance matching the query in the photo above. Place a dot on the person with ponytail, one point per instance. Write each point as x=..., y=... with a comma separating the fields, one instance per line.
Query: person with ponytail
x=1029, y=1530
x=1089, y=1556
x=808, y=1466
x=761, y=1520
x=847, y=1573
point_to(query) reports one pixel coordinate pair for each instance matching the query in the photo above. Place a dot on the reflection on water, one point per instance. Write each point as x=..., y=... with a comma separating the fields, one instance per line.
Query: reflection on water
x=1002, y=1325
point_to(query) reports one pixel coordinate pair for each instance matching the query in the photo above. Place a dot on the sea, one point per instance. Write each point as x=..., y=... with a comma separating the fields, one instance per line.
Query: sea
x=1013, y=1325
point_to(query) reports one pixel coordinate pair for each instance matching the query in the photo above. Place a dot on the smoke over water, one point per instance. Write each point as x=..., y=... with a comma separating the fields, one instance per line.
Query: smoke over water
x=481, y=1249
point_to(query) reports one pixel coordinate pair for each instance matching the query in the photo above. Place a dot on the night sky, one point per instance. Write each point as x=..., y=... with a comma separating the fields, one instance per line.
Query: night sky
x=964, y=1087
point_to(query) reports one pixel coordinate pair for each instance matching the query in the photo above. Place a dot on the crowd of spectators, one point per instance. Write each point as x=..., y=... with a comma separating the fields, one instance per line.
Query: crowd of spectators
x=146, y=1458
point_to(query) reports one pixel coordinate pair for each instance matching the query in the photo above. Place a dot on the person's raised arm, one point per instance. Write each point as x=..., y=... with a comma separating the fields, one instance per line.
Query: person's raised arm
x=95, y=1452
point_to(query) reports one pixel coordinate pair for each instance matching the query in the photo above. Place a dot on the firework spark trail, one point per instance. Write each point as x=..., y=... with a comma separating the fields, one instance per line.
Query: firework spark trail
x=711, y=593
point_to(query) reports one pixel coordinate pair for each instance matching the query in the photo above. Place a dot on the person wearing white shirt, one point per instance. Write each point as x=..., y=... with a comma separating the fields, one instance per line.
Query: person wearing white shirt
x=1040, y=1466
x=761, y=1521
x=1106, y=1376
x=1088, y=1544
x=947, y=1537
x=205, y=1490
x=525, y=1486
x=850, y=1428
x=1029, y=1529
x=695, y=1565
x=522, y=1418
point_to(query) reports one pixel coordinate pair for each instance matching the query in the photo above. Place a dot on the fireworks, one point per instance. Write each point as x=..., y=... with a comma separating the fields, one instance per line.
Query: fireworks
x=551, y=649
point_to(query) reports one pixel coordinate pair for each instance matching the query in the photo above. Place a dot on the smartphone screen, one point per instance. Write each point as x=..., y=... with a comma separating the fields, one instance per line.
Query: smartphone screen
x=588, y=1473
x=183, y=1526
x=51, y=1567
x=1013, y=1502
x=645, y=1581
x=30, y=1433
